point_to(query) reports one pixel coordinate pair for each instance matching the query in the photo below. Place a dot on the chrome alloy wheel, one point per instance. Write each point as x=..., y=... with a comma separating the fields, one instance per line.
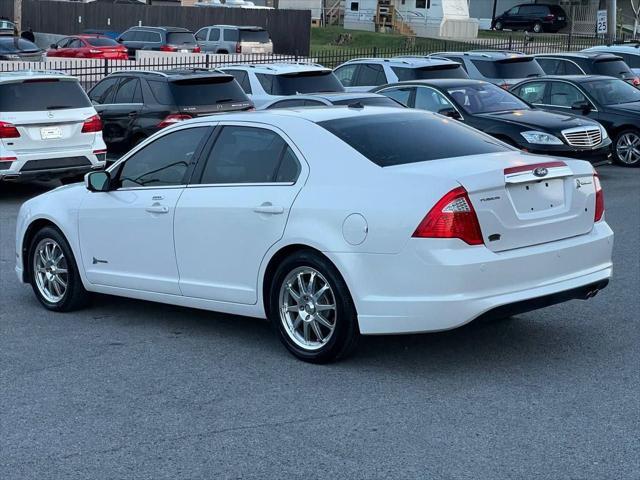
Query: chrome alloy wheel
x=628, y=148
x=50, y=270
x=307, y=308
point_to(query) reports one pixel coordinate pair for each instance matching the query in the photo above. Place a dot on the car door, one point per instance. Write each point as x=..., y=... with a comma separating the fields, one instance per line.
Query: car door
x=235, y=210
x=214, y=39
x=511, y=18
x=120, y=115
x=202, y=37
x=61, y=48
x=229, y=40
x=562, y=96
x=126, y=234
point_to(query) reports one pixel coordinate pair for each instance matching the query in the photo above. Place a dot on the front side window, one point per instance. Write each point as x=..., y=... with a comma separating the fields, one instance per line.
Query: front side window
x=346, y=74
x=485, y=98
x=564, y=94
x=164, y=162
x=432, y=100
x=400, y=95
x=249, y=155
x=201, y=35
x=410, y=137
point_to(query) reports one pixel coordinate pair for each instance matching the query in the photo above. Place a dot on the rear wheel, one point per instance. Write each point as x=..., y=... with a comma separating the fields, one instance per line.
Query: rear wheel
x=537, y=27
x=626, y=151
x=311, y=308
x=53, y=272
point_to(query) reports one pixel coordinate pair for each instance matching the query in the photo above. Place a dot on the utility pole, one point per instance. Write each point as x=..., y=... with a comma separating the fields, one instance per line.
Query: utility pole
x=17, y=14
x=612, y=19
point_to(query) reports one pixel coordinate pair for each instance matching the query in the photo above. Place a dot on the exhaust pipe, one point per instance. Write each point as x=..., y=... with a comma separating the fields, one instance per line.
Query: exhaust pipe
x=591, y=293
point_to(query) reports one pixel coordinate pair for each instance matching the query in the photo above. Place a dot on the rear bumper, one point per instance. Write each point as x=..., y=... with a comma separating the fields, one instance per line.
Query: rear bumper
x=442, y=284
x=66, y=164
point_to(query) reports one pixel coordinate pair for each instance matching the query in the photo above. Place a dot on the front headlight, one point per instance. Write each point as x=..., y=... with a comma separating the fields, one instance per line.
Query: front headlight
x=541, y=138
x=605, y=135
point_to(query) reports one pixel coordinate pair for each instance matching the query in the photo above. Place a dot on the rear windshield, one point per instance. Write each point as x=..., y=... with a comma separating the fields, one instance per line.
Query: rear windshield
x=613, y=68
x=180, y=38
x=511, y=68
x=410, y=137
x=380, y=101
x=207, y=91
x=14, y=44
x=39, y=95
x=102, y=42
x=306, y=82
x=426, y=73
x=261, y=36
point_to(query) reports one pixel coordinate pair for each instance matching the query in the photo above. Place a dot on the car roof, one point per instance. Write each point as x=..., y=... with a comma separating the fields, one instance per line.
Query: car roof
x=585, y=55
x=404, y=61
x=572, y=78
x=633, y=48
x=484, y=54
x=172, y=75
x=19, y=75
x=163, y=29
x=277, y=68
x=239, y=27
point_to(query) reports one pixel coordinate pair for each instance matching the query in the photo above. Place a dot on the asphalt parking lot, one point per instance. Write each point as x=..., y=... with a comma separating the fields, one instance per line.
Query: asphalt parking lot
x=129, y=389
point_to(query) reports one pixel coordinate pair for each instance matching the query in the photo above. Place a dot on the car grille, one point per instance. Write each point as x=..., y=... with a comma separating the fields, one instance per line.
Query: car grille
x=52, y=163
x=583, y=137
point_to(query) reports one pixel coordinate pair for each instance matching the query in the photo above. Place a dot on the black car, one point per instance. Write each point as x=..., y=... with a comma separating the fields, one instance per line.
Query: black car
x=501, y=114
x=17, y=48
x=136, y=104
x=537, y=18
x=163, y=39
x=611, y=101
x=354, y=99
x=587, y=63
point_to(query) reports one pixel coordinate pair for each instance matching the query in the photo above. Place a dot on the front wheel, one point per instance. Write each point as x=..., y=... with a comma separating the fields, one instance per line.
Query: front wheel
x=498, y=26
x=311, y=308
x=54, y=275
x=626, y=151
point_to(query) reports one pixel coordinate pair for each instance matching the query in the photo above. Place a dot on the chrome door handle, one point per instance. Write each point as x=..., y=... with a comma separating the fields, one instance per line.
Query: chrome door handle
x=270, y=209
x=157, y=209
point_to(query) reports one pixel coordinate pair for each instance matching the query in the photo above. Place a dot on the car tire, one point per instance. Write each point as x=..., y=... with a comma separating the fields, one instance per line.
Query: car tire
x=498, y=26
x=311, y=308
x=626, y=148
x=53, y=272
x=537, y=27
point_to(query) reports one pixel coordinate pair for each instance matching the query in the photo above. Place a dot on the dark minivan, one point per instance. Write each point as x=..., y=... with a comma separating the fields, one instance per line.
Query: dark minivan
x=537, y=17
x=135, y=104
x=163, y=39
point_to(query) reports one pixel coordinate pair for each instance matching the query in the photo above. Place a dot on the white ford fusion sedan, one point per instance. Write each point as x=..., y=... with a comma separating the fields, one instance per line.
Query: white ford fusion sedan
x=330, y=222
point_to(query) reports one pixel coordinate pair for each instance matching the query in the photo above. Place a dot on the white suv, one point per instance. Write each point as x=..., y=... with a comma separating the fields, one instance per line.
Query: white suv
x=264, y=83
x=48, y=128
x=363, y=74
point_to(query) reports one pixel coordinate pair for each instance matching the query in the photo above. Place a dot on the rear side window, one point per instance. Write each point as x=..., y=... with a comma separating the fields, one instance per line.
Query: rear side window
x=613, y=68
x=250, y=155
x=230, y=35
x=242, y=78
x=129, y=91
x=305, y=82
x=207, y=91
x=410, y=137
x=38, y=95
x=161, y=92
x=425, y=73
x=261, y=36
x=180, y=38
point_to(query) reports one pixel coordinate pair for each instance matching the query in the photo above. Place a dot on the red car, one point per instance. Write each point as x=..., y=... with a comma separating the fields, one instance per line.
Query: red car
x=88, y=46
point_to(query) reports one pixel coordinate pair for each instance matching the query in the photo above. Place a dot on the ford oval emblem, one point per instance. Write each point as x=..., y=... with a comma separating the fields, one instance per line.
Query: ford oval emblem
x=540, y=172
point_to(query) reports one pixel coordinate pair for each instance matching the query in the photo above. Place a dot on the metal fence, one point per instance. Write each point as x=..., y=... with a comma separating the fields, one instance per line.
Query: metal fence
x=91, y=71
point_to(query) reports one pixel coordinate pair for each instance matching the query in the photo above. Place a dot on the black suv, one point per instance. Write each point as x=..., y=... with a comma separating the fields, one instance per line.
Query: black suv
x=537, y=18
x=136, y=104
x=163, y=39
x=587, y=63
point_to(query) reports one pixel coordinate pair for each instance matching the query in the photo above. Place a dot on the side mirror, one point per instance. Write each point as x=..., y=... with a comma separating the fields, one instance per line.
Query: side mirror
x=98, y=181
x=450, y=112
x=54, y=46
x=584, y=107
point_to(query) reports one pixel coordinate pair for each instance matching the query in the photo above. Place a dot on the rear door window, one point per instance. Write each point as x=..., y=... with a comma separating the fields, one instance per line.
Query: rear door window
x=370, y=74
x=249, y=155
x=410, y=137
x=214, y=35
x=39, y=95
x=533, y=92
x=564, y=94
x=127, y=90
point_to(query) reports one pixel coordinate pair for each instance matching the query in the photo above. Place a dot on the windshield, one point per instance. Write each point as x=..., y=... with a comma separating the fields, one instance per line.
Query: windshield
x=261, y=36
x=42, y=94
x=16, y=44
x=410, y=137
x=207, y=91
x=305, y=82
x=485, y=98
x=180, y=38
x=613, y=68
x=612, y=92
x=426, y=73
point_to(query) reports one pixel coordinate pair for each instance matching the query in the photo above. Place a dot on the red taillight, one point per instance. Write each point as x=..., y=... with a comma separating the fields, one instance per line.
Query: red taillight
x=238, y=48
x=635, y=81
x=599, y=199
x=8, y=130
x=168, y=48
x=8, y=159
x=551, y=16
x=99, y=152
x=92, y=125
x=196, y=49
x=452, y=217
x=171, y=119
